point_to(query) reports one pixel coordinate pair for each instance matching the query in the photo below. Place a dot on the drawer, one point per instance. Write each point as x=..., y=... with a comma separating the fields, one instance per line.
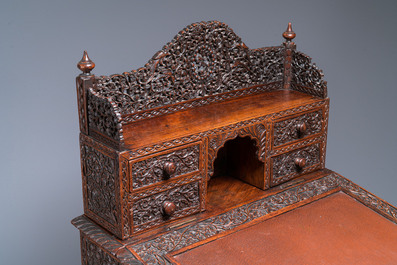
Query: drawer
x=296, y=128
x=165, y=165
x=292, y=164
x=159, y=208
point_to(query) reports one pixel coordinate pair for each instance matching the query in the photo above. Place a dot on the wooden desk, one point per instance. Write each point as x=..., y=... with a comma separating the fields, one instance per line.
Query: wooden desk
x=324, y=219
x=195, y=158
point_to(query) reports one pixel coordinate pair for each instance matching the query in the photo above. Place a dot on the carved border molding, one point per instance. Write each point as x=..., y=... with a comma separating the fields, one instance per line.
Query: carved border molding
x=91, y=232
x=160, y=188
x=153, y=250
x=124, y=174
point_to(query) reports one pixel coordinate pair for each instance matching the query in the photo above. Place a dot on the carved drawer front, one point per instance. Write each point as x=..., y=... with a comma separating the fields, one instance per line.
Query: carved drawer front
x=292, y=164
x=156, y=209
x=166, y=165
x=295, y=128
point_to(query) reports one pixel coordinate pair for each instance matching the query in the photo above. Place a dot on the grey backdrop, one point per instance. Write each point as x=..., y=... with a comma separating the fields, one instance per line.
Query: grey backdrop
x=354, y=42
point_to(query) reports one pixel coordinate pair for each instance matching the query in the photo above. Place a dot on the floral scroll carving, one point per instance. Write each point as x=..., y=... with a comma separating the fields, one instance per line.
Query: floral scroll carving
x=307, y=77
x=150, y=171
x=204, y=59
x=286, y=131
x=104, y=117
x=147, y=211
x=100, y=171
x=284, y=167
x=93, y=255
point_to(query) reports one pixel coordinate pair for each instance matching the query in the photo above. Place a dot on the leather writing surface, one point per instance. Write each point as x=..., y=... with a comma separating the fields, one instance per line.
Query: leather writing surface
x=334, y=230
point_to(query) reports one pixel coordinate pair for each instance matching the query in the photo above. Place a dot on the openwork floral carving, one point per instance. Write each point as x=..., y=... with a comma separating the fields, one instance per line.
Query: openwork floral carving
x=306, y=76
x=103, y=116
x=204, y=59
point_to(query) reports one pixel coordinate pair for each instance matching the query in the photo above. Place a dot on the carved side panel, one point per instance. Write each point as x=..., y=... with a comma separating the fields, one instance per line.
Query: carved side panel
x=204, y=59
x=256, y=132
x=147, y=212
x=307, y=77
x=103, y=119
x=286, y=131
x=93, y=255
x=284, y=167
x=151, y=170
x=100, y=184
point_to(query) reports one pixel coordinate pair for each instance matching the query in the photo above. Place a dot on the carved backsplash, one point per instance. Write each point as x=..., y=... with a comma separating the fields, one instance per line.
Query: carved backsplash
x=204, y=59
x=205, y=63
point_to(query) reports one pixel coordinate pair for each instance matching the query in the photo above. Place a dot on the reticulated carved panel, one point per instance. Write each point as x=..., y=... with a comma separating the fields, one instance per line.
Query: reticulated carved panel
x=285, y=166
x=100, y=175
x=286, y=131
x=204, y=59
x=151, y=170
x=202, y=101
x=148, y=212
x=103, y=116
x=256, y=132
x=307, y=77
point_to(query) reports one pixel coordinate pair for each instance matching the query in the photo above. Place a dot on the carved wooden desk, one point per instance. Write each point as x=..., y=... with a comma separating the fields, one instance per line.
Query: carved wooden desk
x=190, y=159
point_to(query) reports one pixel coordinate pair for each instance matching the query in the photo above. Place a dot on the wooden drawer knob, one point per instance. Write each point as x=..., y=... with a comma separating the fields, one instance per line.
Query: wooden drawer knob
x=301, y=127
x=169, y=168
x=300, y=162
x=169, y=208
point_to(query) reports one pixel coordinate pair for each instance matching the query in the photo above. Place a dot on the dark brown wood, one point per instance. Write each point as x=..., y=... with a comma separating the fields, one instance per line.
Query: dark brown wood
x=138, y=153
x=270, y=205
x=85, y=64
x=289, y=35
x=169, y=208
x=208, y=138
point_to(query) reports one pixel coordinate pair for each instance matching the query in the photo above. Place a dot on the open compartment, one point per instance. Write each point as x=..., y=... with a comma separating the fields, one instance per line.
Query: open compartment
x=238, y=176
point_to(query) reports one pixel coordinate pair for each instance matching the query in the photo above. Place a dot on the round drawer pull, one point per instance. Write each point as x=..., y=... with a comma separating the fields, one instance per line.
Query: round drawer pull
x=300, y=162
x=169, y=208
x=301, y=127
x=169, y=168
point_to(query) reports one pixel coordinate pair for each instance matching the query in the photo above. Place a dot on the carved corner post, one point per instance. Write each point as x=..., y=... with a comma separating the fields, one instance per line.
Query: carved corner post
x=83, y=82
x=289, y=47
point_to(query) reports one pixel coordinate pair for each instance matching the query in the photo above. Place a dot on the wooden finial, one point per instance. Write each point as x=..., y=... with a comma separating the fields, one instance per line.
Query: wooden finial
x=85, y=64
x=289, y=34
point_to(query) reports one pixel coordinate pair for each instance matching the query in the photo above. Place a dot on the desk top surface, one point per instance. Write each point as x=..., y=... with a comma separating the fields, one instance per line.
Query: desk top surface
x=334, y=230
x=204, y=118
